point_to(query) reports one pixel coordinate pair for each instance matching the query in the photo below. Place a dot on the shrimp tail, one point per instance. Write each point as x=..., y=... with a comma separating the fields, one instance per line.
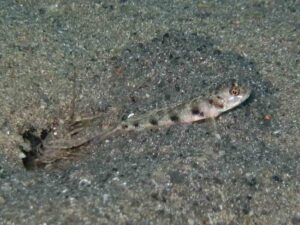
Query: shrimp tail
x=49, y=152
x=71, y=143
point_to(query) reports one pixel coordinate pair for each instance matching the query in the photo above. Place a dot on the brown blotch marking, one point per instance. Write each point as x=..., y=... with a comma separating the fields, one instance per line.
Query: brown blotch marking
x=153, y=121
x=174, y=117
x=124, y=126
x=219, y=105
x=215, y=103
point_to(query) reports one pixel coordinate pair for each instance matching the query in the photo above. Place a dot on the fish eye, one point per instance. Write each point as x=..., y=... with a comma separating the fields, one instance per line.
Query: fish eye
x=235, y=91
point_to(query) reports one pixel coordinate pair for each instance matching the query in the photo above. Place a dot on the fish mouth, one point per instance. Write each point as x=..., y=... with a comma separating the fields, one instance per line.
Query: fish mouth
x=246, y=95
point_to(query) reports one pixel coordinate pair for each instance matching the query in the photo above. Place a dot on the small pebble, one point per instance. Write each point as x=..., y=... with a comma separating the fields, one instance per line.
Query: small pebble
x=267, y=117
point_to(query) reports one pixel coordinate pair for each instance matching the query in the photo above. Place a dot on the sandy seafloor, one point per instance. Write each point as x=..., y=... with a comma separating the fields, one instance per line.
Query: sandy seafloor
x=134, y=56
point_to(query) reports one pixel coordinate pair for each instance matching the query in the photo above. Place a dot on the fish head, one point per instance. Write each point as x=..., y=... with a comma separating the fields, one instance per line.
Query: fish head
x=229, y=97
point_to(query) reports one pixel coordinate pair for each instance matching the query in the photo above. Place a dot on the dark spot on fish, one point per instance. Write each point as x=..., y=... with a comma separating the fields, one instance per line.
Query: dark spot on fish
x=195, y=110
x=124, y=126
x=136, y=124
x=174, y=117
x=153, y=121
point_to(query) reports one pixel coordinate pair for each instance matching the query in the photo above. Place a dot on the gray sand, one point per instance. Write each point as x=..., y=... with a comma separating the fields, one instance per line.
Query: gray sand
x=131, y=57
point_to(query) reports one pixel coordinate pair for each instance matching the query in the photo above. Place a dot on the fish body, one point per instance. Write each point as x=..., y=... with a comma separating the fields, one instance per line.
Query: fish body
x=195, y=110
